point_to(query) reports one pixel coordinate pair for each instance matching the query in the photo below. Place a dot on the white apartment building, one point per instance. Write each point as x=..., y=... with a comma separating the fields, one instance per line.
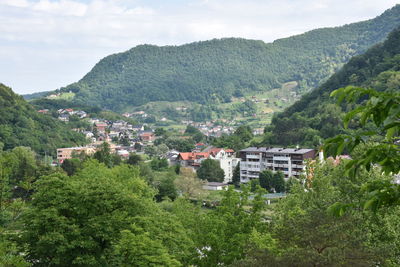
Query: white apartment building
x=290, y=161
x=225, y=157
x=227, y=161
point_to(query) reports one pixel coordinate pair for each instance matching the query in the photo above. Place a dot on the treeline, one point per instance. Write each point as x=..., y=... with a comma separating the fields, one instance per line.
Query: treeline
x=22, y=125
x=219, y=69
x=315, y=116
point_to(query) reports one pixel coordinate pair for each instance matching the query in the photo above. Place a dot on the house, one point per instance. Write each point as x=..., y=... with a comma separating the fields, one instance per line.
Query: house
x=123, y=153
x=200, y=146
x=227, y=161
x=64, y=117
x=138, y=127
x=172, y=157
x=88, y=134
x=214, y=186
x=81, y=114
x=43, y=111
x=147, y=136
x=114, y=134
x=192, y=159
x=100, y=127
x=258, y=131
x=69, y=152
x=225, y=157
x=290, y=161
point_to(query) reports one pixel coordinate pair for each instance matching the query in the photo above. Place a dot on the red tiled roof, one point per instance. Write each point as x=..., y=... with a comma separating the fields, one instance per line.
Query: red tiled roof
x=215, y=151
x=147, y=134
x=229, y=150
x=193, y=155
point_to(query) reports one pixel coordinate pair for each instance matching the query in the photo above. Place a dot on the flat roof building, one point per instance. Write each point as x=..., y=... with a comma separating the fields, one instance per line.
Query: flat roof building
x=290, y=161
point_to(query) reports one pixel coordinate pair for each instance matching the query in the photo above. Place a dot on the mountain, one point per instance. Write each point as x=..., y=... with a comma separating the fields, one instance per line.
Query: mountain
x=316, y=116
x=22, y=125
x=214, y=71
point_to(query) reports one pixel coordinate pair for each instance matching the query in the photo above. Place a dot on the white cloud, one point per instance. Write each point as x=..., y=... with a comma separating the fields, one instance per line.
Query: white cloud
x=75, y=34
x=16, y=3
x=61, y=8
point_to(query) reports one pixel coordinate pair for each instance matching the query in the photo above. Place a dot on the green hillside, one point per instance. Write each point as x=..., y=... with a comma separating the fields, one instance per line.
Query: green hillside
x=214, y=71
x=316, y=116
x=22, y=125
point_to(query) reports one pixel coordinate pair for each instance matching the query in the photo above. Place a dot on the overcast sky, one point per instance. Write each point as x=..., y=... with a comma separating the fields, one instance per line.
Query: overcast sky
x=47, y=44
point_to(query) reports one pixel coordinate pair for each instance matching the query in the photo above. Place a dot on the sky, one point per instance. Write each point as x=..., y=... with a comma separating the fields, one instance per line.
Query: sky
x=48, y=44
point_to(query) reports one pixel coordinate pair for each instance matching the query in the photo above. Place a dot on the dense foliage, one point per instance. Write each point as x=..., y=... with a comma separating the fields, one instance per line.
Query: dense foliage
x=22, y=125
x=211, y=171
x=377, y=148
x=131, y=215
x=236, y=141
x=213, y=70
x=316, y=116
x=305, y=234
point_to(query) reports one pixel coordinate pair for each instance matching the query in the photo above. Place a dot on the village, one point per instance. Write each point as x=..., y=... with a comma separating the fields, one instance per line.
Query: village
x=125, y=139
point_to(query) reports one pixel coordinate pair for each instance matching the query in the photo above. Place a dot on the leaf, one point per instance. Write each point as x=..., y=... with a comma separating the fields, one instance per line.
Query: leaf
x=371, y=204
x=390, y=132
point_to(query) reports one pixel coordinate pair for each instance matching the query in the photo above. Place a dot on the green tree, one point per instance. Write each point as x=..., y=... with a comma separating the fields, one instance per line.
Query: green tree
x=244, y=132
x=71, y=166
x=159, y=164
x=76, y=220
x=254, y=184
x=330, y=241
x=139, y=250
x=103, y=155
x=164, y=183
x=211, y=171
x=236, y=176
x=182, y=145
x=188, y=184
x=160, y=131
x=137, y=146
x=134, y=159
x=151, y=151
x=227, y=232
x=10, y=256
x=266, y=180
x=382, y=149
x=278, y=182
x=22, y=168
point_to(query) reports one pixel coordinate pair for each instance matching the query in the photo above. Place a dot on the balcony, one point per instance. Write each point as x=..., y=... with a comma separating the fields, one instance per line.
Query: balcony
x=281, y=165
x=298, y=166
x=253, y=156
x=281, y=158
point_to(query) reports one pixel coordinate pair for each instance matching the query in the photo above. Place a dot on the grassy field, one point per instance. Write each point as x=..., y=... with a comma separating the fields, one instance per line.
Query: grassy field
x=265, y=103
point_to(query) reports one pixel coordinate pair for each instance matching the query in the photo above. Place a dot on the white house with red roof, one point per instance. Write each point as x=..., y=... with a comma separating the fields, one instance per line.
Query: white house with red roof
x=226, y=158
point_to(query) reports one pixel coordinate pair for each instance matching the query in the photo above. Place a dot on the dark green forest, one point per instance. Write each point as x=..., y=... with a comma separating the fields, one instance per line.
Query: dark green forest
x=22, y=125
x=220, y=68
x=316, y=116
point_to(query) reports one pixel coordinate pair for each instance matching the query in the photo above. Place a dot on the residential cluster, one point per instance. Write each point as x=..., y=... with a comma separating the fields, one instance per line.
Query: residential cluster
x=210, y=128
x=125, y=138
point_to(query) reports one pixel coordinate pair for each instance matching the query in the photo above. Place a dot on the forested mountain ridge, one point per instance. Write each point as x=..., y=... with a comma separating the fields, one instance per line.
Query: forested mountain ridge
x=316, y=116
x=22, y=125
x=218, y=69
